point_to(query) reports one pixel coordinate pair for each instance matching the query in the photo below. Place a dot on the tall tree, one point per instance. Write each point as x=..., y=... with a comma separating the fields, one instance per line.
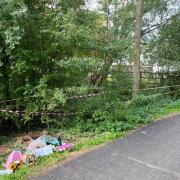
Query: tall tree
x=137, y=48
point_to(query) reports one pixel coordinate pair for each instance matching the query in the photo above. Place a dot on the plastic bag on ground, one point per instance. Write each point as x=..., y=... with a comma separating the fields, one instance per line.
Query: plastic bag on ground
x=41, y=142
x=50, y=140
x=66, y=146
x=5, y=172
x=44, y=151
x=35, y=144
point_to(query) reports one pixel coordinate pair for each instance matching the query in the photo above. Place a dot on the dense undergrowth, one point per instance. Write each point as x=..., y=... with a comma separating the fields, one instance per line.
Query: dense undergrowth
x=116, y=116
x=106, y=123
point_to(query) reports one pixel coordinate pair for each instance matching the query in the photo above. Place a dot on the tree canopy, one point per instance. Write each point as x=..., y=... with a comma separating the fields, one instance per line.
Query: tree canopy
x=54, y=48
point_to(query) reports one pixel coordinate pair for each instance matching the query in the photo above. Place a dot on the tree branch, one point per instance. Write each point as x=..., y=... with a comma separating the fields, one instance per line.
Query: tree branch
x=158, y=25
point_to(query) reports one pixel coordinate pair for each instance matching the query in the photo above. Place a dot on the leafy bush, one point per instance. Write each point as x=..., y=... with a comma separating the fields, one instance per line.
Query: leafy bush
x=143, y=100
x=118, y=116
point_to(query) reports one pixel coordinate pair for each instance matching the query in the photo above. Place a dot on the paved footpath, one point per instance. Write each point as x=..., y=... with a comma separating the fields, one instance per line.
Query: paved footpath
x=150, y=153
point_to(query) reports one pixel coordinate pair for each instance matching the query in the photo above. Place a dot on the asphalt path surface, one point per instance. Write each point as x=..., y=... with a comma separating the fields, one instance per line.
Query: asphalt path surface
x=150, y=153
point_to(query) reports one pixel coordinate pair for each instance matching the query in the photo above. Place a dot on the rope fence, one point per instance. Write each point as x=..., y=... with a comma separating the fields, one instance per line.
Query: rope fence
x=14, y=100
x=81, y=96
x=39, y=113
x=19, y=113
x=87, y=95
x=70, y=98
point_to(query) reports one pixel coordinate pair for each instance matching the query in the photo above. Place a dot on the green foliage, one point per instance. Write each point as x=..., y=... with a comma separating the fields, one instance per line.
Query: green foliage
x=132, y=115
x=19, y=175
x=50, y=50
x=165, y=49
x=119, y=116
x=143, y=100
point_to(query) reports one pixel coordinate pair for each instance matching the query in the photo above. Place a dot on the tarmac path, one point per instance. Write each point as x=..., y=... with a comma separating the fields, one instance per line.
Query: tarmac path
x=150, y=153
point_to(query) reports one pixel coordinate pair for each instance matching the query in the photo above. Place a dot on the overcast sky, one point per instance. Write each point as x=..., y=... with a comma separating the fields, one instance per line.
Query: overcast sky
x=92, y=4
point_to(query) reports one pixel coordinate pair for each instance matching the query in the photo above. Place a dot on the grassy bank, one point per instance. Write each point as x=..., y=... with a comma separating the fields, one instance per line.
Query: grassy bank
x=140, y=112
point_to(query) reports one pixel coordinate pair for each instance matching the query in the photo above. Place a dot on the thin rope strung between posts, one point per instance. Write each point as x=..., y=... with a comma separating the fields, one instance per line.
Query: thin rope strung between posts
x=39, y=113
x=59, y=113
x=12, y=112
x=69, y=98
x=162, y=87
x=13, y=100
x=80, y=96
x=87, y=95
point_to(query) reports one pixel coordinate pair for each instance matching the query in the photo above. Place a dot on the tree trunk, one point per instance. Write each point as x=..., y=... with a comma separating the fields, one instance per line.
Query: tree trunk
x=99, y=77
x=137, y=49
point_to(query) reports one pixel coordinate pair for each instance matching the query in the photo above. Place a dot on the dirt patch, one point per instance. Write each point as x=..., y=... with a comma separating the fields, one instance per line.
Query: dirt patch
x=3, y=149
x=19, y=142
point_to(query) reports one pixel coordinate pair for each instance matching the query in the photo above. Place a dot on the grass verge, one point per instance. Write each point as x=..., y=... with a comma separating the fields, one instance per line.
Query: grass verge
x=83, y=143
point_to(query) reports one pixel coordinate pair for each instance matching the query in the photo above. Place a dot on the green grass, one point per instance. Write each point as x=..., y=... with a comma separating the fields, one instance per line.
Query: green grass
x=167, y=110
x=87, y=140
x=48, y=161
